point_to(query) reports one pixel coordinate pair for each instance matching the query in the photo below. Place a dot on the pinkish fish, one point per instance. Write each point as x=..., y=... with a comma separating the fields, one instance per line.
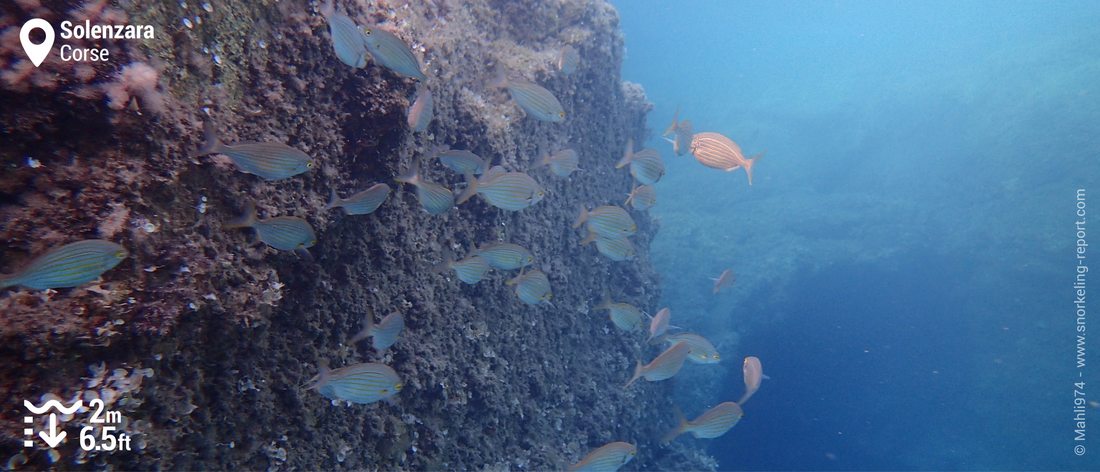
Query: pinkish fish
x=663, y=366
x=711, y=424
x=753, y=373
x=719, y=152
x=659, y=324
x=724, y=280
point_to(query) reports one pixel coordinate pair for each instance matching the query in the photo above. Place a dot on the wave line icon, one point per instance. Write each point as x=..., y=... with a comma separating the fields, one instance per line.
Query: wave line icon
x=53, y=404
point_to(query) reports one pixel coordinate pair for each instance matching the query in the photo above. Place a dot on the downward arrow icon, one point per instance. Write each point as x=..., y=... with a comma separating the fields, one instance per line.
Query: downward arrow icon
x=54, y=437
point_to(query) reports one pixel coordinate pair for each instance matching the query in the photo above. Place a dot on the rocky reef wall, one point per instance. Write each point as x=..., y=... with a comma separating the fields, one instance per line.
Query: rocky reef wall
x=204, y=338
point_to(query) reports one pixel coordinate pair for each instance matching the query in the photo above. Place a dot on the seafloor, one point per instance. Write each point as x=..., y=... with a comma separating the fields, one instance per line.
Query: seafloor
x=203, y=337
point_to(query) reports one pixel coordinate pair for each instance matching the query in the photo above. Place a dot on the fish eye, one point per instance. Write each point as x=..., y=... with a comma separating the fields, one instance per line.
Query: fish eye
x=398, y=386
x=561, y=114
x=120, y=254
x=309, y=164
x=716, y=356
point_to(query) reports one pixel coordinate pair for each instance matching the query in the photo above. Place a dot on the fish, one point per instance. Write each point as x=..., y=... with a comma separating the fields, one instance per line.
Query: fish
x=624, y=316
x=617, y=249
x=285, y=233
x=682, y=139
x=562, y=163
x=671, y=127
x=719, y=152
x=608, y=221
x=470, y=270
x=506, y=256
x=753, y=372
x=702, y=351
x=392, y=52
x=358, y=383
x=664, y=366
x=420, y=112
x=384, y=334
x=532, y=288
x=347, y=40
x=71, y=265
x=659, y=324
x=463, y=162
x=536, y=101
x=711, y=424
x=643, y=197
x=511, y=191
x=269, y=160
x=607, y=458
x=568, y=60
x=645, y=165
x=362, y=203
x=726, y=278
x=434, y=198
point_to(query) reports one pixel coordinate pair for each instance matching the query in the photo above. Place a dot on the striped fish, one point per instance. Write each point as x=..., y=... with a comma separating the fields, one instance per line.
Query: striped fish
x=617, y=249
x=359, y=383
x=384, y=334
x=435, y=198
x=391, y=52
x=463, y=162
x=362, y=203
x=608, y=221
x=659, y=324
x=269, y=160
x=643, y=197
x=532, y=287
x=645, y=165
x=753, y=372
x=568, y=60
x=664, y=366
x=506, y=256
x=562, y=163
x=719, y=152
x=625, y=316
x=470, y=270
x=536, y=101
x=420, y=112
x=511, y=191
x=711, y=424
x=347, y=40
x=285, y=233
x=71, y=265
x=607, y=458
x=702, y=351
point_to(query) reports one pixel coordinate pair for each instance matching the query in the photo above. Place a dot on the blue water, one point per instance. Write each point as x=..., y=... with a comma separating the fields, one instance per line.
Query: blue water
x=905, y=255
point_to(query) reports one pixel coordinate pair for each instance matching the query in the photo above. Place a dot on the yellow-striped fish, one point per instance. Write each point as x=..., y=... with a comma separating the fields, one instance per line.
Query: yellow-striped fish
x=362, y=203
x=537, y=102
x=645, y=165
x=562, y=163
x=643, y=197
x=511, y=191
x=392, y=52
x=617, y=249
x=470, y=270
x=434, y=198
x=384, y=334
x=682, y=131
x=625, y=316
x=608, y=221
x=285, y=233
x=420, y=112
x=532, y=288
x=568, y=60
x=347, y=40
x=71, y=265
x=463, y=162
x=719, y=152
x=659, y=324
x=607, y=458
x=358, y=383
x=711, y=424
x=753, y=373
x=506, y=256
x=269, y=160
x=702, y=351
x=664, y=366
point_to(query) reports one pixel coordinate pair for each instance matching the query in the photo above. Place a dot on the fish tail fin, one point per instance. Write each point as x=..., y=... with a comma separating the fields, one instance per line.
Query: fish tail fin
x=605, y=301
x=411, y=175
x=751, y=162
x=246, y=220
x=210, y=144
x=581, y=218
x=500, y=77
x=681, y=426
x=675, y=123
x=327, y=8
x=8, y=280
x=448, y=259
x=319, y=379
x=333, y=200
x=469, y=191
x=368, y=328
x=588, y=239
x=630, y=196
x=628, y=154
x=637, y=374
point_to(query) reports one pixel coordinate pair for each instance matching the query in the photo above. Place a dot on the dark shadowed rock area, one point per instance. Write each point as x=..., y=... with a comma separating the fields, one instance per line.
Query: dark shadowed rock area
x=204, y=338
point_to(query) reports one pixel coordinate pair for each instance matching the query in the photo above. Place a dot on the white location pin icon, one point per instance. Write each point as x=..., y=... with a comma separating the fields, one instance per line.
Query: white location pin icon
x=36, y=52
